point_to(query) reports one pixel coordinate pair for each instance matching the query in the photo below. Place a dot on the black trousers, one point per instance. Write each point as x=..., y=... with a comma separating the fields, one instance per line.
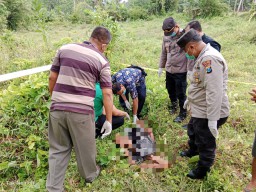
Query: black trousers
x=202, y=141
x=142, y=93
x=176, y=85
x=117, y=121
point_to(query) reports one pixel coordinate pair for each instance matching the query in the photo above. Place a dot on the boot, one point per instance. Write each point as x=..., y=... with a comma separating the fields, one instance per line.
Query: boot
x=198, y=173
x=180, y=117
x=173, y=108
x=188, y=153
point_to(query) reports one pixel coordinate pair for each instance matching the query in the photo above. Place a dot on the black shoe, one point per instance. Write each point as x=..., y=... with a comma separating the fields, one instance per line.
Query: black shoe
x=173, y=111
x=198, y=173
x=185, y=126
x=188, y=153
x=173, y=108
x=180, y=117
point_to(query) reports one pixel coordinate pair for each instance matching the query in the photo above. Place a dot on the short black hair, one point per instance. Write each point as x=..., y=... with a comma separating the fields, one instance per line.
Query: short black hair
x=189, y=36
x=116, y=87
x=102, y=34
x=195, y=25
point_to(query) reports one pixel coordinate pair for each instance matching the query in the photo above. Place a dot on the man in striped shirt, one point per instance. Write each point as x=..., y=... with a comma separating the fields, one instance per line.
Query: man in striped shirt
x=75, y=70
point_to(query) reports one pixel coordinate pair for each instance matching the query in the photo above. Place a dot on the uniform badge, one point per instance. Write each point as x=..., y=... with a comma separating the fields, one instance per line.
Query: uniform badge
x=207, y=65
x=196, y=77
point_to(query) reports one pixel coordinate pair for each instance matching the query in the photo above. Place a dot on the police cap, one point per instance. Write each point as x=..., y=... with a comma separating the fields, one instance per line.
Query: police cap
x=168, y=24
x=190, y=35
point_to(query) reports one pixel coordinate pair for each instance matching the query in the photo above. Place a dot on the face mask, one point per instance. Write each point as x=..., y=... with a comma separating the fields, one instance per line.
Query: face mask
x=124, y=92
x=190, y=57
x=173, y=34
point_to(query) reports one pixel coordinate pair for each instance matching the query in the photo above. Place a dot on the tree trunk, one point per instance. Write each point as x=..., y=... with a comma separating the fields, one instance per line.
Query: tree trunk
x=240, y=5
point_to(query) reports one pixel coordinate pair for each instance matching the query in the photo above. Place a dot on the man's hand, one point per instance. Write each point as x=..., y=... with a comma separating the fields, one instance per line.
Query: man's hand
x=160, y=71
x=128, y=105
x=213, y=128
x=186, y=105
x=127, y=116
x=135, y=119
x=107, y=127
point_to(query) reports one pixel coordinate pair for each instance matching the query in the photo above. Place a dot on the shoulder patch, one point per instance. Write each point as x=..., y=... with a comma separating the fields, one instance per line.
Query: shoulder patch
x=207, y=65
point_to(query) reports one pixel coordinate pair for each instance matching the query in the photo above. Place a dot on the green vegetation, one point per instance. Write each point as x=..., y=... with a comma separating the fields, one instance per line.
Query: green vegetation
x=25, y=102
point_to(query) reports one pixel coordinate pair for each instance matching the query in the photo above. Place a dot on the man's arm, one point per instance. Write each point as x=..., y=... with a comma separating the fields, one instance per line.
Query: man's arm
x=213, y=82
x=52, y=80
x=163, y=57
x=108, y=103
x=115, y=112
x=135, y=103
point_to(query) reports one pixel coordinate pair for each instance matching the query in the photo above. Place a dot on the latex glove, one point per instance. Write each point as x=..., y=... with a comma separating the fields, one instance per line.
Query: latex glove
x=107, y=127
x=127, y=116
x=135, y=119
x=128, y=105
x=160, y=71
x=213, y=128
x=185, y=106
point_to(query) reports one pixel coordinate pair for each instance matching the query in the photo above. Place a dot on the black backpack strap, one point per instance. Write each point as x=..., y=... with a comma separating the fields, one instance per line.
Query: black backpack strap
x=137, y=67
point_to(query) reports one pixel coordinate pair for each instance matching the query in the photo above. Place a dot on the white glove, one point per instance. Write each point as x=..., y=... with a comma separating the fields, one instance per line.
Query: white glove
x=185, y=106
x=160, y=71
x=127, y=116
x=213, y=128
x=135, y=119
x=128, y=105
x=107, y=127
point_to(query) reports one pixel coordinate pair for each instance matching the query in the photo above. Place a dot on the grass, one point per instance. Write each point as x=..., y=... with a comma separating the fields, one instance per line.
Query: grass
x=140, y=43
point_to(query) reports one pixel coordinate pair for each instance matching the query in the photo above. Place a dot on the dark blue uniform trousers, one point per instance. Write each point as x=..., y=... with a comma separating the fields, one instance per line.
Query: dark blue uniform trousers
x=176, y=85
x=141, y=90
x=202, y=141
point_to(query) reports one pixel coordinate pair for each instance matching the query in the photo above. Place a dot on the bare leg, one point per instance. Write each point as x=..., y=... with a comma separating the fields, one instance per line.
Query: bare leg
x=156, y=162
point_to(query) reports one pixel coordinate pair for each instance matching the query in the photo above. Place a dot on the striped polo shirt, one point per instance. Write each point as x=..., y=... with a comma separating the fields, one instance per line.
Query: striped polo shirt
x=79, y=67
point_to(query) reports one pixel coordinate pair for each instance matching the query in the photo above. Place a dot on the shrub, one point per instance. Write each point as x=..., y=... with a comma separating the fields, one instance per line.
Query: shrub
x=19, y=12
x=204, y=8
x=24, y=116
x=3, y=16
x=138, y=13
x=252, y=12
x=101, y=17
x=211, y=8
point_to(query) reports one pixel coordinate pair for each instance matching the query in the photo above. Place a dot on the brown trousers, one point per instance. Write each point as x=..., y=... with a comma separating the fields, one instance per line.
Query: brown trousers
x=68, y=129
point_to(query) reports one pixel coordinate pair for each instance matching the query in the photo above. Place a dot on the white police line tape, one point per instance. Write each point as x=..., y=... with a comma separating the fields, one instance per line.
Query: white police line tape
x=238, y=82
x=23, y=73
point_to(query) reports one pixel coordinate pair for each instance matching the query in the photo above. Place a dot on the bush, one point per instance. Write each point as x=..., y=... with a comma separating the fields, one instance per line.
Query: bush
x=19, y=12
x=3, y=16
x=252, y=12
x=211, y=8
x=204, y=8
x=79, y=15
x=24, y=116
x=101, y=17
x=138, y=13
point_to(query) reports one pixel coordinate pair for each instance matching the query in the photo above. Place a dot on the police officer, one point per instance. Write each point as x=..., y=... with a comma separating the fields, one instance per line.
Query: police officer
x=130, y=80
x=206, y=39
x=207, y=100
x=174, y=61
